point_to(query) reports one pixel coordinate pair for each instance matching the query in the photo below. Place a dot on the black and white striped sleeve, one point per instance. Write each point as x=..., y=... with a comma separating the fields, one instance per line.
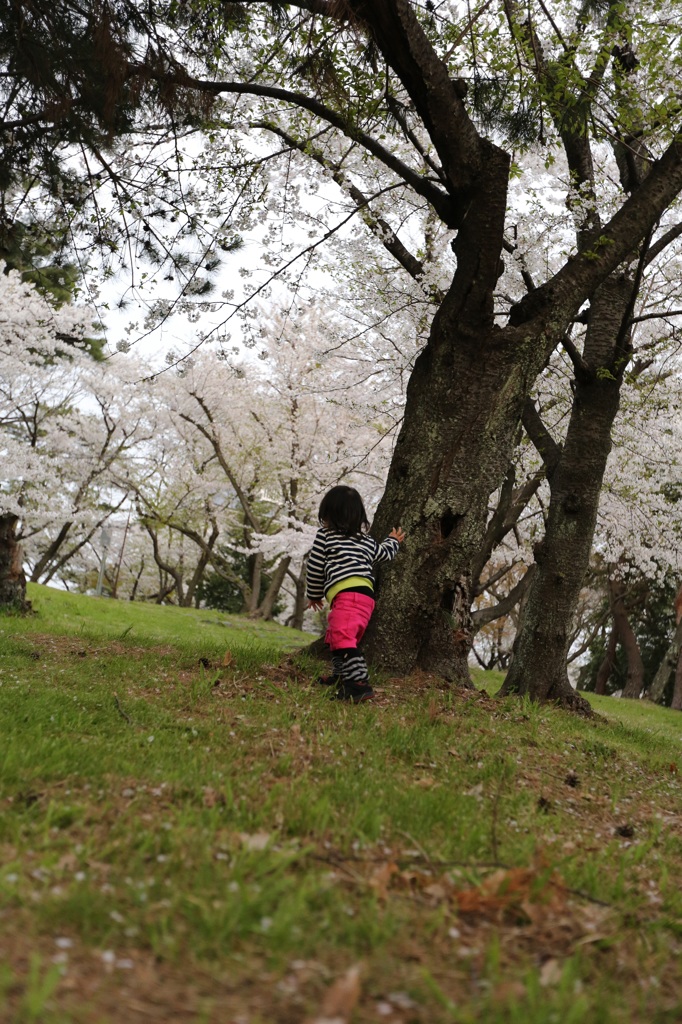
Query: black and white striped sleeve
x=315, y=569
x=387, y=550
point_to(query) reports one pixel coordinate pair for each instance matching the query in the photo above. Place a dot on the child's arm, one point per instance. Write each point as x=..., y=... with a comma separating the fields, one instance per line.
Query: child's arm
x=388, y=549
x=315, y=573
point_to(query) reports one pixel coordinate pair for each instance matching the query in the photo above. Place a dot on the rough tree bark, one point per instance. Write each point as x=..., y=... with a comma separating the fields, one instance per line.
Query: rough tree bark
x=12, y=578
x=539, y=660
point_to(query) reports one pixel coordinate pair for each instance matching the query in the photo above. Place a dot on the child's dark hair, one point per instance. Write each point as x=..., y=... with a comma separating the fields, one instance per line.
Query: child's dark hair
x=342, y=510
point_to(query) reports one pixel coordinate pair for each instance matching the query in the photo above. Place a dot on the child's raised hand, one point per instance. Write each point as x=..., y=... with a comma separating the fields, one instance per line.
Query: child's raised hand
x=317, y=605
x=397, y=534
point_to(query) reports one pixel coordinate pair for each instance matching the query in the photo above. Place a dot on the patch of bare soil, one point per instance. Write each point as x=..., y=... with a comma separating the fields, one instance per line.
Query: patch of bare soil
x=64, y=647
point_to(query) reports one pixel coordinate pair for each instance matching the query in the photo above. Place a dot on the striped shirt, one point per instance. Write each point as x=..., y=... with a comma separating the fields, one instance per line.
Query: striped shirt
x=334, y=557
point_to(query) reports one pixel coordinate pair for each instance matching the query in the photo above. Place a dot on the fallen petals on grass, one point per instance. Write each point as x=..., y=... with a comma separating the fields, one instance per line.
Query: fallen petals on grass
x=255, y=840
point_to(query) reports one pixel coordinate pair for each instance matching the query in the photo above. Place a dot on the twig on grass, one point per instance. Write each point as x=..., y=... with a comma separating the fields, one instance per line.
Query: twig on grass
x=339, y=859
x=583, y=895
x=120, y=710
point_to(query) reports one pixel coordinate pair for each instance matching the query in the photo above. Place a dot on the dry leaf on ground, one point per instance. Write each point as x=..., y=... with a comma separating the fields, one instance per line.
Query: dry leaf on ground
x=340, y=999
x=381, y=878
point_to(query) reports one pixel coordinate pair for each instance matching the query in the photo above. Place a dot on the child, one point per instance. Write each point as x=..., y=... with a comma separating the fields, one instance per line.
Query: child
x=340, y=568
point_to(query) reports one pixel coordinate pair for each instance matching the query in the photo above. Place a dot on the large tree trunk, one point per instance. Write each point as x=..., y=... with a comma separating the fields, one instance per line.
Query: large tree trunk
x=265, y=609
x=539, y=661
x=12, y=578
x=452, y=451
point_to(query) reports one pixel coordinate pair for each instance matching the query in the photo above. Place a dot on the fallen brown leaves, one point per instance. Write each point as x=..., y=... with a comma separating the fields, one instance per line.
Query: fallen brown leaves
x=533, y=903
x=340, y=999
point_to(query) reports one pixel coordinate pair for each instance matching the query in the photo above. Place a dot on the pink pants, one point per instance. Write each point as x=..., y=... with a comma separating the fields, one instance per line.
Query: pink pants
x=348, y=618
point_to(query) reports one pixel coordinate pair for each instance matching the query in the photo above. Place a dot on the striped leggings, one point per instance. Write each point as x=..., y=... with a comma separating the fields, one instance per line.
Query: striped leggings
x=350, y=665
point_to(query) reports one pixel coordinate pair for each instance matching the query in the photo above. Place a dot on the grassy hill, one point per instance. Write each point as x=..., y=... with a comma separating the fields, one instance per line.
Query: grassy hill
x=191, y=831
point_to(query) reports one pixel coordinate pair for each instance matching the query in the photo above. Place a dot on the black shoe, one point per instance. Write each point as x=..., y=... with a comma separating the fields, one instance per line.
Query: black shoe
x=328, y=680
x=354, y=692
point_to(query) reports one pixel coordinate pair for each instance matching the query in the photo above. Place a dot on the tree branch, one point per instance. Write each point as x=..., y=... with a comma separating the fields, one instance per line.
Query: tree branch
x=545, y=445
x=482, y=616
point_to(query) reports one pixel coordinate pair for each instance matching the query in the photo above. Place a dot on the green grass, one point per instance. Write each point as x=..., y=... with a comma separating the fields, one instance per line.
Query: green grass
x=187, y=823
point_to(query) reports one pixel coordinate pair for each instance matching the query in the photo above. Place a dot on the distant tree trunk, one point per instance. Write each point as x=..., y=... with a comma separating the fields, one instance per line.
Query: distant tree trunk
x=266, y=606
x=295, y=620
x=252, y=595
x=198, y=574
x=12, y=578
x=136, y=584
x=606, y=667
x=50, y=553
x=634, y=681
x=656, y=692
x=119, y=560
x=676, y=703
x=165, y=570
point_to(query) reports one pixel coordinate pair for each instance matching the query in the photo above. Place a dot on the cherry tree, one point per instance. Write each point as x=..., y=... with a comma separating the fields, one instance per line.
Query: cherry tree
x=65, y=423
x=244, y=447
x=39, y=357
